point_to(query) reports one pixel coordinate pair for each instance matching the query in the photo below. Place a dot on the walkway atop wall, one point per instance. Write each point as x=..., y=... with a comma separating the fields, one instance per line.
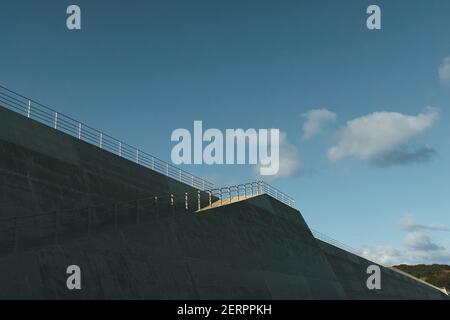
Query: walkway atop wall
x=231, y=194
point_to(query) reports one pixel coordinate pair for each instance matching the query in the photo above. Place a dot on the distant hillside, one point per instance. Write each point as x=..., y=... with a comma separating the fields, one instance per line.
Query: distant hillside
x=435, y=274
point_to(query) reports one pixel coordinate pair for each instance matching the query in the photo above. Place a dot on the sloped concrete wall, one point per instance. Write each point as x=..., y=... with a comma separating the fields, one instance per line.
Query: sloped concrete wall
x=42, y=169
x=253, y=249
x=238, y=251
x=351, y=270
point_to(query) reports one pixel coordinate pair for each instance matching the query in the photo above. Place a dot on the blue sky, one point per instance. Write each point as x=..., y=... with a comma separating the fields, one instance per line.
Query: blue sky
x=140, y=69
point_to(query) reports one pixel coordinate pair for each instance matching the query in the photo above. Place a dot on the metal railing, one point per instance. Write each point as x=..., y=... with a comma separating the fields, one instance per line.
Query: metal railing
x=321, y=236
x=25, y=232
x=28, y=232
x=245, y=190
x=22, y=232
x=47, y=116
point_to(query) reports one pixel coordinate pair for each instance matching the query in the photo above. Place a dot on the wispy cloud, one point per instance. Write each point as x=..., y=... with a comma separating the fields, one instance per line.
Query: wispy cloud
x=409, y=224
x=403, y=157
x=420, y=241
x=418, y=248
x=315, y=121
x=444, y=71
x=290, y=161
x=378, y=134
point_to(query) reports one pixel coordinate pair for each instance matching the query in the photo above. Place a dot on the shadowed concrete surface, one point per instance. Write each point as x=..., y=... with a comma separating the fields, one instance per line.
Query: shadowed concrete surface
x=254, y=249
x=351, y=272
x=238, y=251
x=42, y=169
x=258, y=248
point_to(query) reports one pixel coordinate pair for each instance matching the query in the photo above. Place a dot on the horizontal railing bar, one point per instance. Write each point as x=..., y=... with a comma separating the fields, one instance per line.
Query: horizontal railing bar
x=252, y=188
x=50, y=117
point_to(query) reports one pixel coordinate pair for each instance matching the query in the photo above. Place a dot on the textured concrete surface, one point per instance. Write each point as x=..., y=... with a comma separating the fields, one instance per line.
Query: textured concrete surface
x=351, y=272
x=42, y=169
x=239, y=251
x=253, y=249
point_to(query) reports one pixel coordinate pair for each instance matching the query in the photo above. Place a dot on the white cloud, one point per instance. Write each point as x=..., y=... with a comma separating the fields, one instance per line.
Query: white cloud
x=378, y=133
x=418, y=248
x=315, y=121
x=409, y=224
x=421, y=241
x=290, y=163
x=404, y=156
x=289, y=158
x=384, y=254
x=444, y=71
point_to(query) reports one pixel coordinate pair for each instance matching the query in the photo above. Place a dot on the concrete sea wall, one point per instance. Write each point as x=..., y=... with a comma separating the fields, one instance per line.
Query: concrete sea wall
x=254, y=249
x=43, y=170
x=258, y=248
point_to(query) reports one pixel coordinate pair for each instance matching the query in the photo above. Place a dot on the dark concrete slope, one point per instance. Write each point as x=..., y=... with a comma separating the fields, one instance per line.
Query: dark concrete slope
x=351, y=270
x=42, y=169
x=254, y=249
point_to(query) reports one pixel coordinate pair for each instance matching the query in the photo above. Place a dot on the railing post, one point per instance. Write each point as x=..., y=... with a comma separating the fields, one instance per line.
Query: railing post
x=229, y=193
x=56, y=120
x=137, y=155
x=198, y=200
x=120, y=149
x=237, y=189
x=167, y=169
x=79, y=130
x=203, y=184
x=179, y=172
x=153, y=163
x=192, y=176
x=210, y=198
x=29, y=109
x=101, y=140
x=156, y=205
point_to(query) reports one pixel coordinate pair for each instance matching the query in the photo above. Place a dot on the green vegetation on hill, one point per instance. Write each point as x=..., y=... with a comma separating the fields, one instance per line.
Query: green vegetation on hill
x=435, y=274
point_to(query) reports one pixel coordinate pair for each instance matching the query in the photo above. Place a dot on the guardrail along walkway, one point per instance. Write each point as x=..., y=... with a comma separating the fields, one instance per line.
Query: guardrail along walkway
x=230, y=194
x=54, y=119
